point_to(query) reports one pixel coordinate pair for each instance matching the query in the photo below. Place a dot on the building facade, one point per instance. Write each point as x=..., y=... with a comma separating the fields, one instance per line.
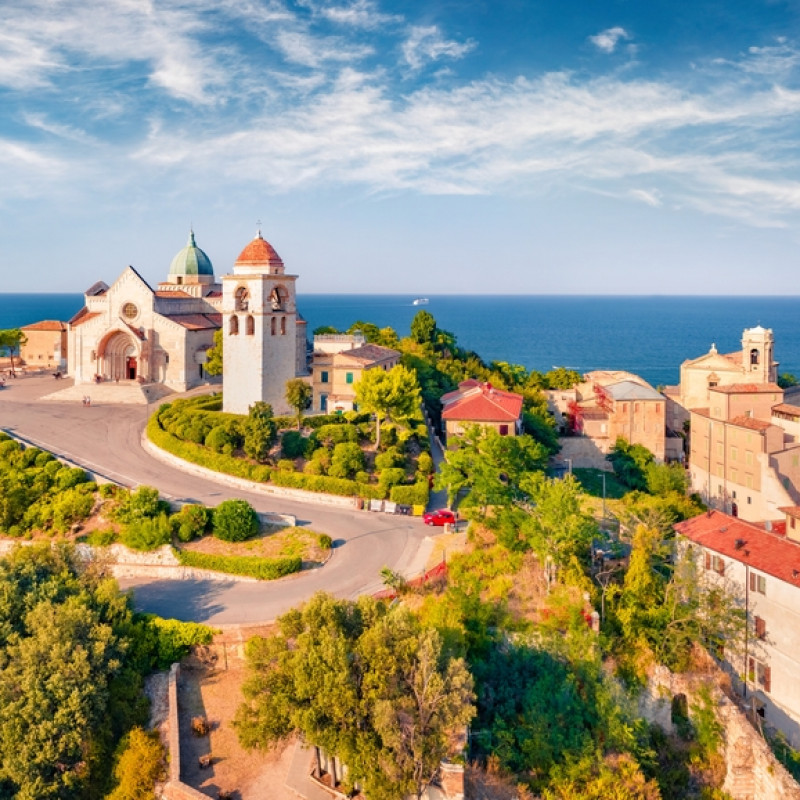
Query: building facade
x=476, y=403
x=264, y=337
x=45, y=346
x=129, y=332
x=759, y=565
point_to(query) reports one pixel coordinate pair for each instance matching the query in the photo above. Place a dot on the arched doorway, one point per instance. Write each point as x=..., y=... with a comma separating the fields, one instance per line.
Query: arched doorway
x=118, y=359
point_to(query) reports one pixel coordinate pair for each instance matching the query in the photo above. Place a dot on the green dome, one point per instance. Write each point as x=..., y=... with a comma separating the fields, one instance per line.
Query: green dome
x=191, y=261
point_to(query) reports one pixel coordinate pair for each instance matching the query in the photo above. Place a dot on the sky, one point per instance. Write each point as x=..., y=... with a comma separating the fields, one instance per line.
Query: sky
x=441, y=146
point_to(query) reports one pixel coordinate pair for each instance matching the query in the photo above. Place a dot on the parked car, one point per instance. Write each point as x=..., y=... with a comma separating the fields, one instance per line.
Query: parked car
x=441, y=517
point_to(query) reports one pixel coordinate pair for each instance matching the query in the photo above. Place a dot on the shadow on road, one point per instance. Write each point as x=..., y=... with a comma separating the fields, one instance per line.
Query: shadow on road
x=184, y=600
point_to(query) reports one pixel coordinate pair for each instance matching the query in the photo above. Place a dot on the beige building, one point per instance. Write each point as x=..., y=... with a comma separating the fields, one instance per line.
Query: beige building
x=476, y=403
x=45, y=346
x=337, y=365
x=130, y=332
x=611, y=404
x=760, y=565
x=754, y=363
x=745, y=451
x=264, y=336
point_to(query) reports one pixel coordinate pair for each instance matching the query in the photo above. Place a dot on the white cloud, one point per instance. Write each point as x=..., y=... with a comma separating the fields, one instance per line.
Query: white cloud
x=651, y=198
x=426, y=43
x=608, y=39
x=358, y=14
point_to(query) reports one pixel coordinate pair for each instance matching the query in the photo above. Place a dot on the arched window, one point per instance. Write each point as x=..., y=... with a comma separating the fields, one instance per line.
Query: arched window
x=242, y=299
x=233, y=329
x=283, y=326
x=277, y=298
x=754, y=356
x=250, y=325
x=273, y=323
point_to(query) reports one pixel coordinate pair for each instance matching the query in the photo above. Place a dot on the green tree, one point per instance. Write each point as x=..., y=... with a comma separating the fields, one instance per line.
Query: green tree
x=298, y=396
x=630, y=462
x=234, y=521
x=387, y=394
x=366, y=683
x=423, y=328
x=139, y=766
x=11, y=339
x=260, y=431
x=213, y=365
x=562, y=378
x=348, y=459
x=786, y=380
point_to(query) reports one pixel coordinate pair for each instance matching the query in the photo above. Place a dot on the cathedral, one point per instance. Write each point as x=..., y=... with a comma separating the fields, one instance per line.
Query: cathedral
x=129, y=333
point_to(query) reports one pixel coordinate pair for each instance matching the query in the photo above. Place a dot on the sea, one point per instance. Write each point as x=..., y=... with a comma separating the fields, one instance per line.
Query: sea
x=649, y=336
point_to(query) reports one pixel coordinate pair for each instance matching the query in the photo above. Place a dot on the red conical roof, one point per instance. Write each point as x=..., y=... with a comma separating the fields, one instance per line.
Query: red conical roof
x=259, y=253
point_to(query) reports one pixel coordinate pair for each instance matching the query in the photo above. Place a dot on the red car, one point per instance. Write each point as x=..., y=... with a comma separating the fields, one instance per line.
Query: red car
x=441, y=517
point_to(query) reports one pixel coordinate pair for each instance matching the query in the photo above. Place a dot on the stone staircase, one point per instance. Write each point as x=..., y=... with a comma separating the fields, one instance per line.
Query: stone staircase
x=124, y=392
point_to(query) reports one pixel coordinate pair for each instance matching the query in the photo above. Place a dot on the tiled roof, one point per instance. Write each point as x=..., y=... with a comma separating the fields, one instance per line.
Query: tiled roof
x=214, y=294
x=84, y=315
x=196, y=322
x=259, y=252
x=369, y=353
x=630, y=390
x=168, y=294
x=45, y=325
x=483, y=403
x=787, y=408
x=792, y=511
x=748, y=388
x=750, y=423
x=766, y=551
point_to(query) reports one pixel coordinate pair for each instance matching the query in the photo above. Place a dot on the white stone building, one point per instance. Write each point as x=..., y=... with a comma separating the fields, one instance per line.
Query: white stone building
x=264, y=338
x=760, y=564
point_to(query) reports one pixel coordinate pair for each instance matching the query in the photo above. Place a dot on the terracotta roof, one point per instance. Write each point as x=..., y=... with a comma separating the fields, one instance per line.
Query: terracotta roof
x=84, y=315
x=748, y=388
x=787, y=408
x=750, y=423
x=176, y=293
x=766, y=551
x=593, y=412
x=462, y=387
x=736, y=357
x=214, y=294
x=45, y=325
x=259, y=252
x=196, y=322
x=369, y=353
x=792, y=511
x=483, y=403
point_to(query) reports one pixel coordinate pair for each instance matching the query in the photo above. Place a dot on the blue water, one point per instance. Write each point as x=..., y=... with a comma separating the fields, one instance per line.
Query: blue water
x=650, y=336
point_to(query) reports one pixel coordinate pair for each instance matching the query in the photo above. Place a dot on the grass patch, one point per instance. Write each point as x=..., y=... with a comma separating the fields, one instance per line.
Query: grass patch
x=251, y=566
x=592, y=482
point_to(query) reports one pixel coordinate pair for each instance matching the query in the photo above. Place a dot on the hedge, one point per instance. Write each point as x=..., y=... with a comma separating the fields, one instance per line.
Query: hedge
x=197, y=454
x=416, y=495
x=343, y=487
x=264, y=569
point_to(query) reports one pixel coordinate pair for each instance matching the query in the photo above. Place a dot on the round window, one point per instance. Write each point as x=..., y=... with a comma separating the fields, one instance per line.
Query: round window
x=129, y=311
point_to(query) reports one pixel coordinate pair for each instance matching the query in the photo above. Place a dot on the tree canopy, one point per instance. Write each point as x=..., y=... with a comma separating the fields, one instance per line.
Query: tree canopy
x=298, y=396
x=365, y=682
x=387, y=394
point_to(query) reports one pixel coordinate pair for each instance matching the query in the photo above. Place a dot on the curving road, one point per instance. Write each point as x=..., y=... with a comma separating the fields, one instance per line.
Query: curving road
x=107, y=440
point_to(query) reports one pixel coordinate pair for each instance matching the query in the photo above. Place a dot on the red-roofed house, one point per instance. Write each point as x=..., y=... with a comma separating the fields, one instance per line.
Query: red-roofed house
x=475, y=403
x=760, y=565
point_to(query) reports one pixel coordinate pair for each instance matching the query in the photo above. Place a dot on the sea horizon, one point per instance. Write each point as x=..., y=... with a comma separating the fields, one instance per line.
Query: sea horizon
x=649, y=335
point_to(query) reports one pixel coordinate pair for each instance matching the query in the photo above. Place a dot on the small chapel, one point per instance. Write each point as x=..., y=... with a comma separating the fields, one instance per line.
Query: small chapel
x=129, y=332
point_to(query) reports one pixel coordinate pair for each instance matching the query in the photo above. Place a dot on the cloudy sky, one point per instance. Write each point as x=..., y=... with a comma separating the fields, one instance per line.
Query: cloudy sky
x=472, y=146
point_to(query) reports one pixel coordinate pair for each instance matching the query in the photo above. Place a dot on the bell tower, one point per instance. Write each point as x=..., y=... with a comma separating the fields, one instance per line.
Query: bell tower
x=758, y=345
x=259, y=330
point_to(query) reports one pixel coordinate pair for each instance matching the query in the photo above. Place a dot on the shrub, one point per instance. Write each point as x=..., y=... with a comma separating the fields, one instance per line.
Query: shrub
x=147, y=533
x=347, y=460
x=169, y=640
x=330, y=435
x=388, y=435
x=312, y=467
x=286, y=465
x=107, y=490
x=144, y=503
x=191, y=522
x=391, y=457
x=416, y=495
x=293, y=444
x=235, y=521
x=140, y=765
x=424, y=464
x=362, y=477
x=219, y=440
x=252, y=566
x=391, y=476
x=325, y=541
x=69, y=507
x=200, y=726
x=67, y=477
x=102, y=538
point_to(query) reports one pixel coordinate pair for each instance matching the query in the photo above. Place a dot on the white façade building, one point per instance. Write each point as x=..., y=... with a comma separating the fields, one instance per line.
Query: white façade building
x=264, y=337
x=760, y=565
x=129, y=332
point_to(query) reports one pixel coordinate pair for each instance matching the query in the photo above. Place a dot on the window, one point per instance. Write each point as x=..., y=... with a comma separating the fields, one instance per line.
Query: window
x=348, y=378
x=283, y=326
x=758, y=583
x=720, y=451
x=504, y=430
x=715, y=562
x=233, y=327
x=241, y=299
x=272, y=324
x=734, y=478
x=760, y=625
x=323, y=376
x=250, y=326
x=754, y=357
x=129, y=310
x=734, y=453
x=749, y=481
x=759, y=673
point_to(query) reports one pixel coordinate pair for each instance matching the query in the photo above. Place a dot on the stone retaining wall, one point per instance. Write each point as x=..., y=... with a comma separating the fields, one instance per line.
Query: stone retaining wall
x=753, y=772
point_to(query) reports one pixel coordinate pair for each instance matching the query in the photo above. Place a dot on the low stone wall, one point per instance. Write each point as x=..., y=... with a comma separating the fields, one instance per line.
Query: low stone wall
x=175, y=789
x=249, y=486
x=753, y=772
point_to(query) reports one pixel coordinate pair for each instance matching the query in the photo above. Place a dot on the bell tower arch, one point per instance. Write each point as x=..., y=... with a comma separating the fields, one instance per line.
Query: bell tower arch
x=758, y=355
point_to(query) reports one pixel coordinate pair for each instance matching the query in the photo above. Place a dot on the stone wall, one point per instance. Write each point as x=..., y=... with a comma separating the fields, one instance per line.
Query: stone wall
x=752, y=771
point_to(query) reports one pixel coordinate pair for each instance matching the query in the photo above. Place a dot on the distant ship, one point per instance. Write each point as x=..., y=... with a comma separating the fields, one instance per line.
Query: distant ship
x=420, y=301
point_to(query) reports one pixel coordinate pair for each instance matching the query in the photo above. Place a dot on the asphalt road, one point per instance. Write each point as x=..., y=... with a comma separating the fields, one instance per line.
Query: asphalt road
x=106, y=439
